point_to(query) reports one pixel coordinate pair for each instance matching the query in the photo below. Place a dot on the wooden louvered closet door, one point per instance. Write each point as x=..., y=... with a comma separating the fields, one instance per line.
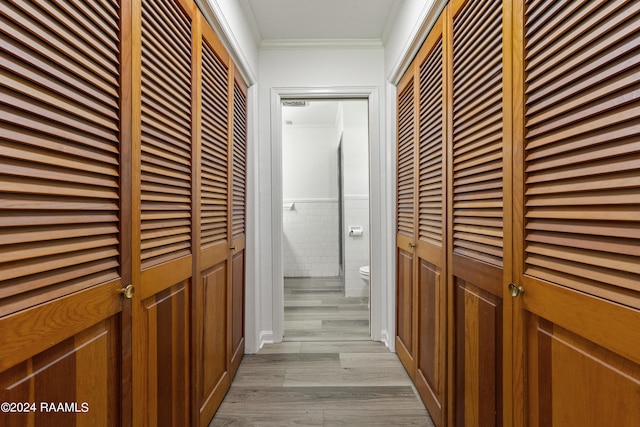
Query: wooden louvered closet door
x=63, y=195
x=238, y=190
x=579, y=349
x=164, y=200
x=479, y=206
x=211, y=302
x=430, y=250
x=406, y=222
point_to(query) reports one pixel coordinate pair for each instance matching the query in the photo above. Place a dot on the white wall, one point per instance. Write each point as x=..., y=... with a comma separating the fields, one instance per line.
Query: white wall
x=309, y=163
x=355, y=148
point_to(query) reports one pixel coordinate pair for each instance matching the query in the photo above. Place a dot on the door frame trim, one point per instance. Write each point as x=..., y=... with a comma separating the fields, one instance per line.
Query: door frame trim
x=379, y=324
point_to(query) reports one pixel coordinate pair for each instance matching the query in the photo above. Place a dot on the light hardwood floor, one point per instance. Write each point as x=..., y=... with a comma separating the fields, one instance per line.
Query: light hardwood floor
x=321, y=379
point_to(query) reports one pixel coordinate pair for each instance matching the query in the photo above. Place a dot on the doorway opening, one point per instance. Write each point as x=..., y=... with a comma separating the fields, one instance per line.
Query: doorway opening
x=325, y=219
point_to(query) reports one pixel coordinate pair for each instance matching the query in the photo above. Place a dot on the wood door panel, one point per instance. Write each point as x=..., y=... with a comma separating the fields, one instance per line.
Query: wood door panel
x=430, y=363
x=575, y=382
x=478, y=356
x=404, y=311
x=237, y=310
x=214, y=379
x=167, y=358
x=81, y=372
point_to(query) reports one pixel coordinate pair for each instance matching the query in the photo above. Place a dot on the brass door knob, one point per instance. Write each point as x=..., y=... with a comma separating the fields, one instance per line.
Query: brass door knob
x=127, y=292
x=411, y=246
x=515, y=290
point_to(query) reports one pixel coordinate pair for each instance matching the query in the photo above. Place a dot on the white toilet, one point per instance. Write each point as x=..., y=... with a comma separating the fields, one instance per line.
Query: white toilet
x=364, y=274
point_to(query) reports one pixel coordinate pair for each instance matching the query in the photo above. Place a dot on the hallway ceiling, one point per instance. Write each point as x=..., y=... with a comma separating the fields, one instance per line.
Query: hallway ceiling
x=323, y=19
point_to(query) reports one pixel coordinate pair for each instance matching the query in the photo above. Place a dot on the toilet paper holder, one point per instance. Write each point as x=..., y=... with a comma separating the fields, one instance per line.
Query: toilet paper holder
x=356, y=230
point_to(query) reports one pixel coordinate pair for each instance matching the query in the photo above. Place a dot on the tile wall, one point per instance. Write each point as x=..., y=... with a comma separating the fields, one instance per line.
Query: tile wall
x=310, y=238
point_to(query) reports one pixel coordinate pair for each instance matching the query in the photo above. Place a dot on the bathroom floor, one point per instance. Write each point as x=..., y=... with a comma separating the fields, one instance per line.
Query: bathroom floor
x=316, y=310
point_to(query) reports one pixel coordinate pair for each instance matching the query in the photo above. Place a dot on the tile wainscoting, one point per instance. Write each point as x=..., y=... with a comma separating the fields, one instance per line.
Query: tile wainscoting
x=310, y=238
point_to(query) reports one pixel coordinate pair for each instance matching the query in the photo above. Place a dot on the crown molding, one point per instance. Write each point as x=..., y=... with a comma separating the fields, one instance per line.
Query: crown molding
x=428, y=16
x=213, y=15
x=292, y=44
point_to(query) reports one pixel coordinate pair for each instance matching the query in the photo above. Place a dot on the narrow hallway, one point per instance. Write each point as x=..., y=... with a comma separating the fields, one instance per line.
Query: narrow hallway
x=348, y=383
x=327, y=372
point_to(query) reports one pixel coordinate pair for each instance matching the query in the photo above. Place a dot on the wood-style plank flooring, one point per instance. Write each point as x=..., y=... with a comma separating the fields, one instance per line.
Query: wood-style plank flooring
x=316, y=310
x=315, y=382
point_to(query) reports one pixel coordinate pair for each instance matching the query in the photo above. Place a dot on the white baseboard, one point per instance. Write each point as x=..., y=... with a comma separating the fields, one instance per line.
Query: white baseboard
x=266, y=337
x=384, y=337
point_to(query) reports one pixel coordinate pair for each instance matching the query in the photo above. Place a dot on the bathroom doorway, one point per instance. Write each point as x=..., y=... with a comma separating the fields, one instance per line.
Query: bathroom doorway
x=325, y=221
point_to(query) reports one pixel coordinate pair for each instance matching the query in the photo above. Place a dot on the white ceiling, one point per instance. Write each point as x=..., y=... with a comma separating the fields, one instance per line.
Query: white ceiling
x=323, y=19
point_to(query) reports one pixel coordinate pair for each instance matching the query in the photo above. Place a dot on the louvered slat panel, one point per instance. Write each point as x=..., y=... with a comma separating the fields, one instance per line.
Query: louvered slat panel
x=59, y=149
x=582, y=152
x=406, y=184
x=431, y=148
x=239, y=161
x=166, y=132
x=477, y=132
x=214, y=155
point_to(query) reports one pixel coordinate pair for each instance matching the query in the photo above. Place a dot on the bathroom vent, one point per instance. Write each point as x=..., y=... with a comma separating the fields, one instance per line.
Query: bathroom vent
x=292, y=103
